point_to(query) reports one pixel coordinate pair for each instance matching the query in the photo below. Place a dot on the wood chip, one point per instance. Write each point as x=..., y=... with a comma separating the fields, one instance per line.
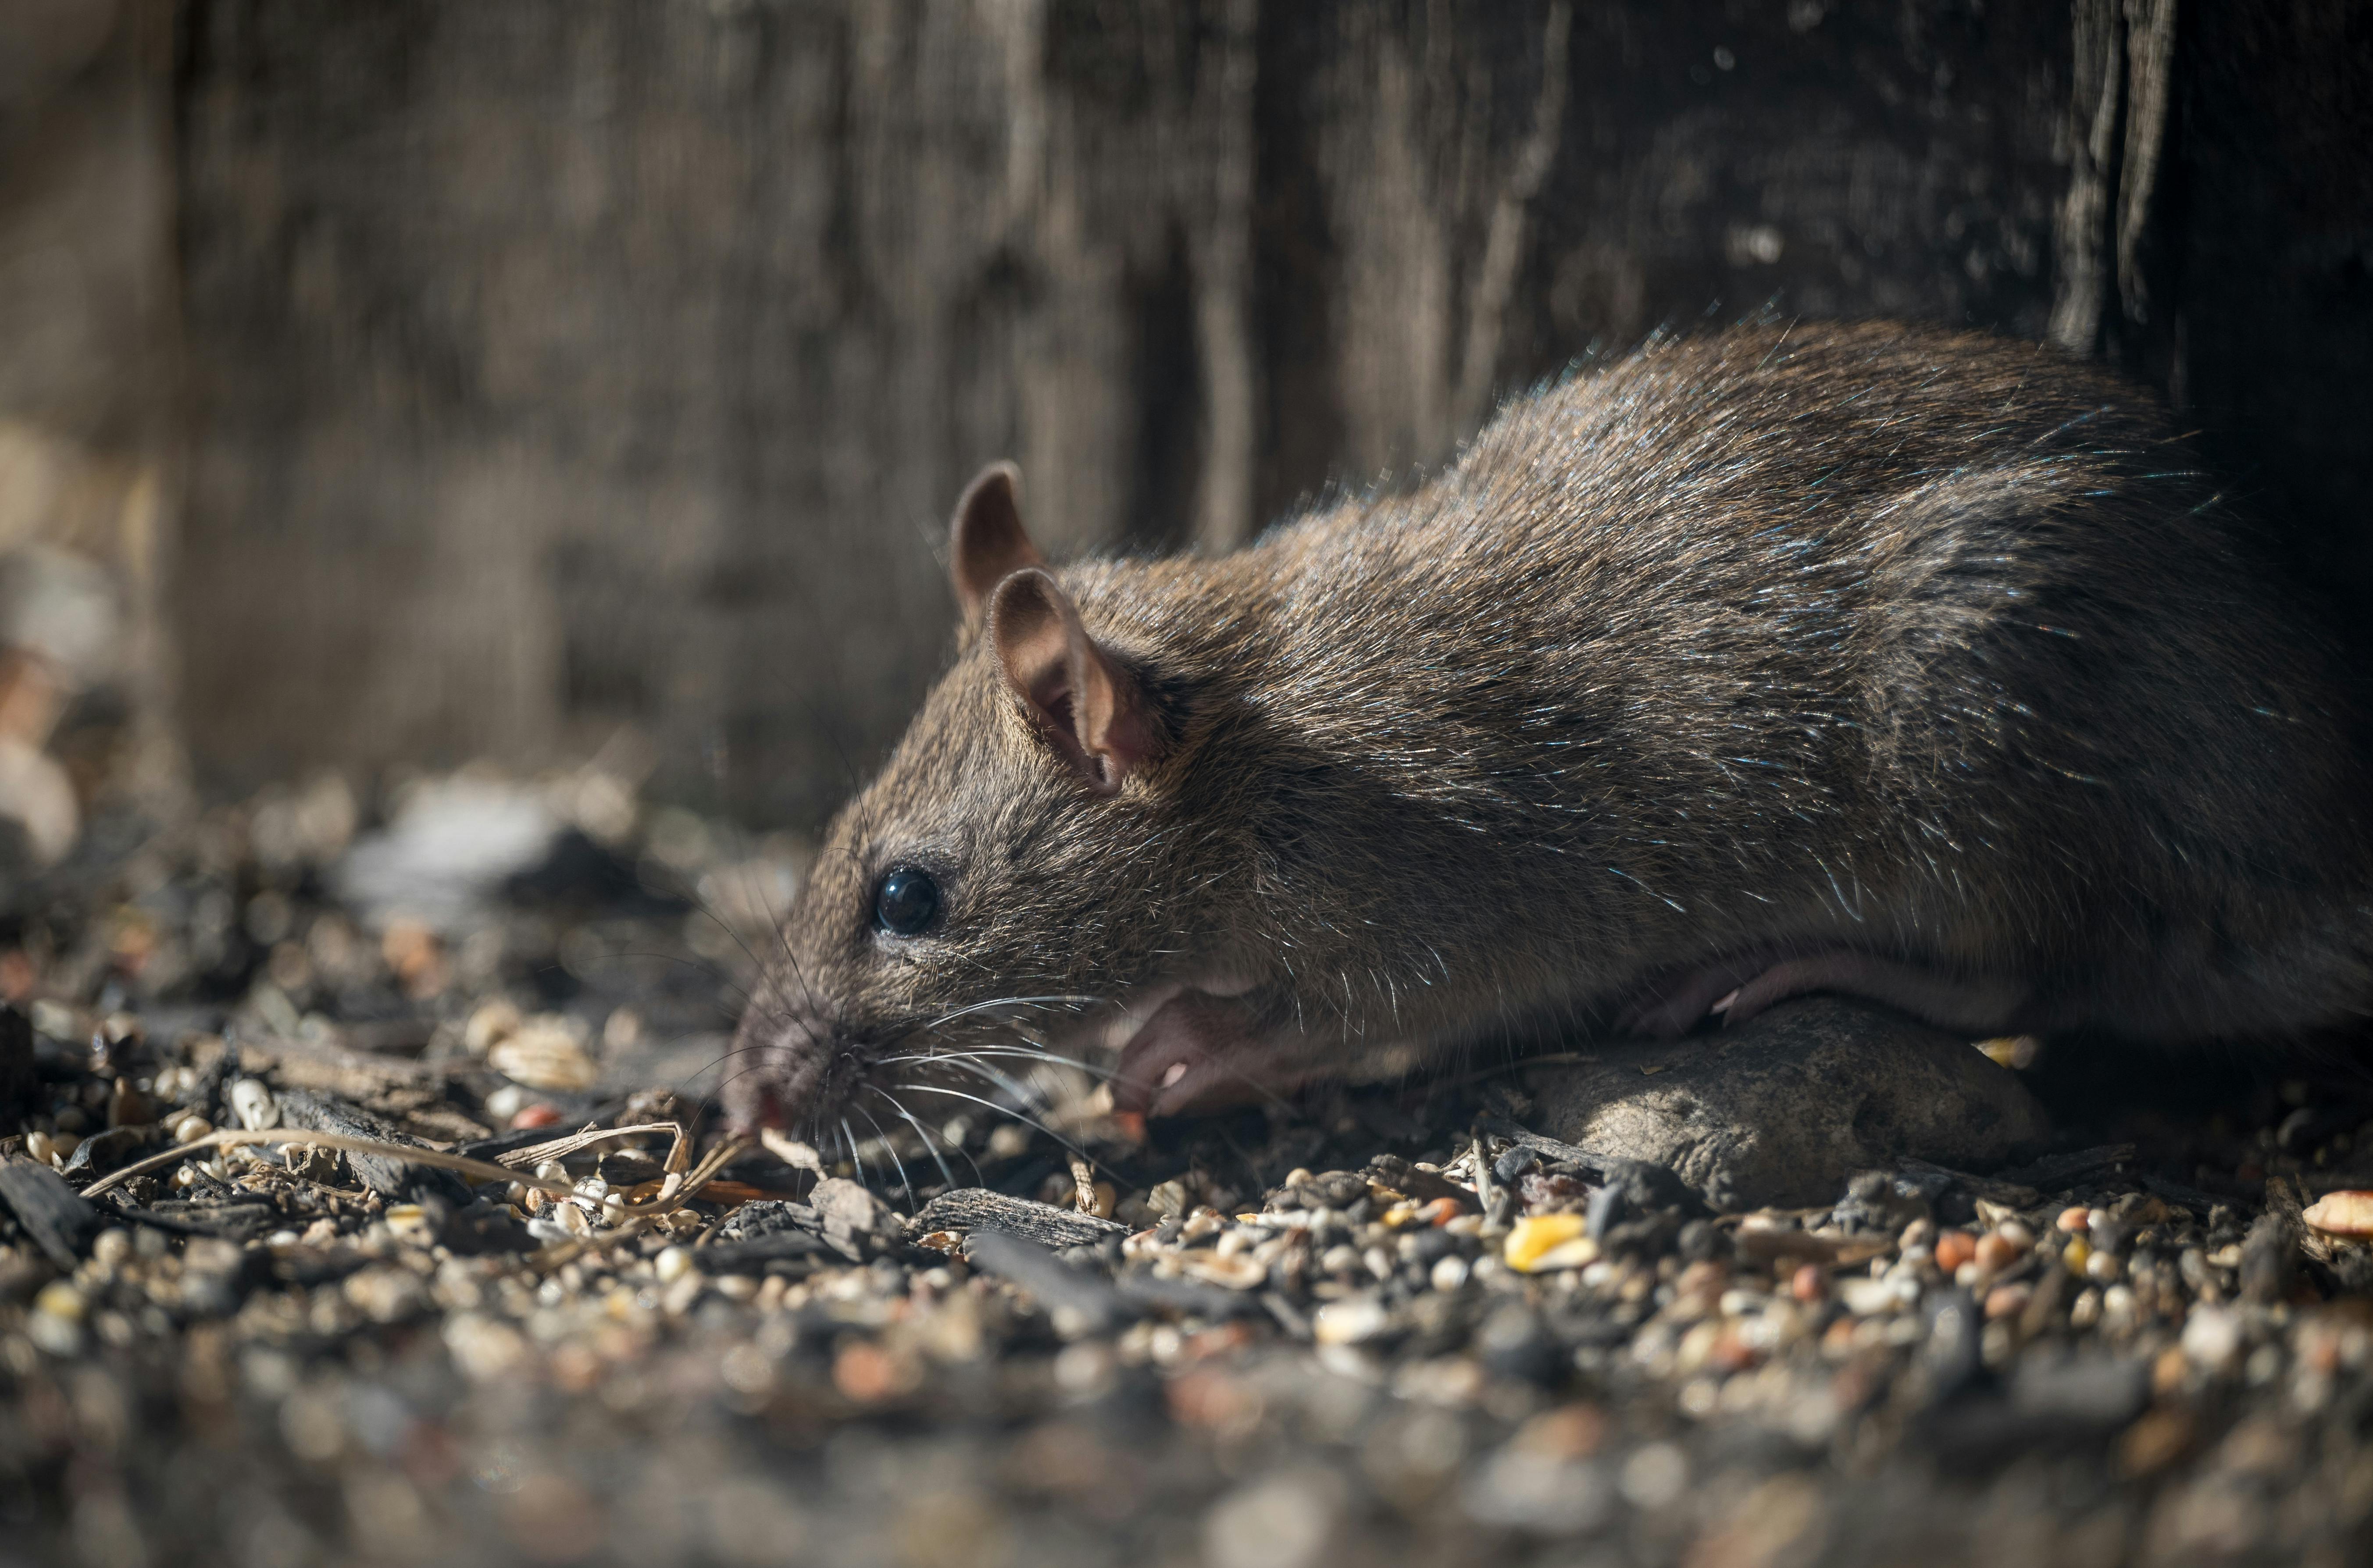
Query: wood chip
x=58, y=1219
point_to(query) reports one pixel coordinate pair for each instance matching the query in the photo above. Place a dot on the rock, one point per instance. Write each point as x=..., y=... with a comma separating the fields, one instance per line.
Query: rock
x=1081, y=1303
x=444, y=858
x=1781, y=1110
x=20, y=1079
x=849, y=1210
x=544, y=1053
x=57, y=1218
x=1354, y=1320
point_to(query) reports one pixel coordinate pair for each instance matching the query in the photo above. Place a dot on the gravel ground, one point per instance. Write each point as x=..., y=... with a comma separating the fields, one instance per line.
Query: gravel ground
x=1388, y=1326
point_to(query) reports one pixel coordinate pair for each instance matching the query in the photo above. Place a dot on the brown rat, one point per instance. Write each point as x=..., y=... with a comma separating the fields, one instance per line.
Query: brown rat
x=1919, y=666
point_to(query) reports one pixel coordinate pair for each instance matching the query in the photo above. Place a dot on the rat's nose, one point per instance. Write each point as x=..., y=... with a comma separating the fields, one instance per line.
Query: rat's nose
x=775, y=1071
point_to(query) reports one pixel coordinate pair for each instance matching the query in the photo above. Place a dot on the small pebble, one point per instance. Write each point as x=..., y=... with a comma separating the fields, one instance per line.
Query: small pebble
x=1866, y=1297
x=1955, y=1248
x=2078, y=1219
x=2007, y=1301
x=2212, y=1338
x=1353, y=1322
x=1993, y=1253
x=1809, y=1284
x=672, y=1264
x=544, y=1053
x=1235, y=1271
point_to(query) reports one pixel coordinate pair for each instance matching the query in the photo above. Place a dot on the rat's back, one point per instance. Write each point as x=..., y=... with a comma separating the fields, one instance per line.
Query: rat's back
x=1924, y=645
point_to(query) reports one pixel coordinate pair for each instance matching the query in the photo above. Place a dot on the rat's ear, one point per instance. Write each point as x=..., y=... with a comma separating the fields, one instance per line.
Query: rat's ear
x=1086, y=704
x=986, y=541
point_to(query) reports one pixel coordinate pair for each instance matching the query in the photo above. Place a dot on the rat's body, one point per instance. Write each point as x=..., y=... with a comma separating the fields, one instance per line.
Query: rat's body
x=1918, y=666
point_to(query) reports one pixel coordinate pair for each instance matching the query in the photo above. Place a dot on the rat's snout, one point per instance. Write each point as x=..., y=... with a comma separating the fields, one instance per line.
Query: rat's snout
x=780, y=1070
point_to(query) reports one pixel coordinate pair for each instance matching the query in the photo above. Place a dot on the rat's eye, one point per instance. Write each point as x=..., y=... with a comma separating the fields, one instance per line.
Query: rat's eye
x=905, y=901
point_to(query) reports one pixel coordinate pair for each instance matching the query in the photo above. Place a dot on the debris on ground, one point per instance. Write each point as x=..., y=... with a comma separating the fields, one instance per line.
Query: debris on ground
x=336, y=1231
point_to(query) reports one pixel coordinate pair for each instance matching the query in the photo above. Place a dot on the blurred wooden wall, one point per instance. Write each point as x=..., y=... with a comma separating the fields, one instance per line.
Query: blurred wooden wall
x=558, y=365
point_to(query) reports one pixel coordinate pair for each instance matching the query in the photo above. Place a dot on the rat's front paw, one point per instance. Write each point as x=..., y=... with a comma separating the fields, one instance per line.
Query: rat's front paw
x=1202, y=1053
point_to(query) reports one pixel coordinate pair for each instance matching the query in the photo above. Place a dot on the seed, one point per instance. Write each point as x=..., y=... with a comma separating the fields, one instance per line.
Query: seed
x=190, y=1128
x=60, y=1300
x=253, y=1105
x=2346, y=1213
x=410, y=1224
x=1543, y=1243
x=1235, y=1271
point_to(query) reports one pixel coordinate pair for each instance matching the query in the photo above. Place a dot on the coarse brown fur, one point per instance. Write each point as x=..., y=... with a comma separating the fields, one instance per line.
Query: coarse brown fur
x=1931, y=651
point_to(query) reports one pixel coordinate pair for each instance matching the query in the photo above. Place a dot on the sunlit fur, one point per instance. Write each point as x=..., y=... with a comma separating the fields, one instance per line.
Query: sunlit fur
x=1935, y=647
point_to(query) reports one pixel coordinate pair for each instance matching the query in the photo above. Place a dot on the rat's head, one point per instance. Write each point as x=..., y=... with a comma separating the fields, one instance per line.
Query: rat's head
x=1019, y=856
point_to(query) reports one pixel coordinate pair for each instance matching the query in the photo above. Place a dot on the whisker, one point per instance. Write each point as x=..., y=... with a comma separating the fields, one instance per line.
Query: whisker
x=854, y=1157
x=906, y=1182
x=946, y=1018
x=920, y=1131
x=1002, y=1110
x=1092, y=1069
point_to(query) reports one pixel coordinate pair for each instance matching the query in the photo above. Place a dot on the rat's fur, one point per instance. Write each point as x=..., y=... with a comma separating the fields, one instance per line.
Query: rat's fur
x=1851, y=642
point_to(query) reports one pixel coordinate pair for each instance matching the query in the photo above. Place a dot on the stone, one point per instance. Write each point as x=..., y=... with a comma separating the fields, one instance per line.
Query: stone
x=1781, y=1110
